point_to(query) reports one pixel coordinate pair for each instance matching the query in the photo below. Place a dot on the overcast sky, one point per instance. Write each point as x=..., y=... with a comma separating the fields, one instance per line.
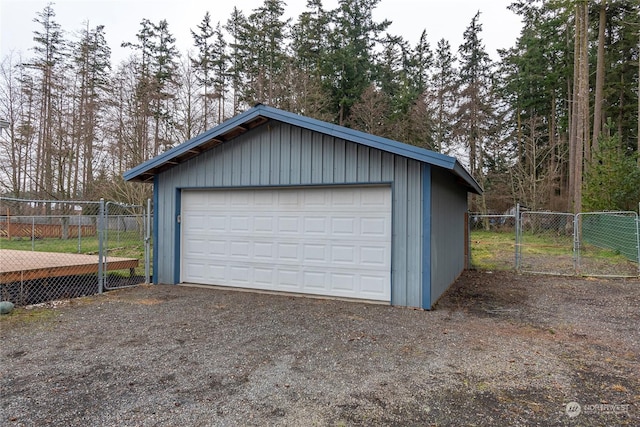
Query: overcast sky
x=121, y=18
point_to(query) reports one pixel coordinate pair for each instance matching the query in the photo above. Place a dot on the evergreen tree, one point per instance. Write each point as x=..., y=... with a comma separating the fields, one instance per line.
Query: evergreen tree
x=266, y=32
x=203, y=62
x=475, y=115
x=443, y=97
x=50, y=56
x=349, y=68
x=156, y=65
x=613, y=180
x=221, y=70
x=237, y=28
x=92, y=64
x=308, y=53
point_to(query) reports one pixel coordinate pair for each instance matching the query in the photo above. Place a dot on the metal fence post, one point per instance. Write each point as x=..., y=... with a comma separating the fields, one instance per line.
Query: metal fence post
x=100, y=246
x=517, y=227
x=576, y=243
x=147, y=243
x=638, y=241
x=33, y=234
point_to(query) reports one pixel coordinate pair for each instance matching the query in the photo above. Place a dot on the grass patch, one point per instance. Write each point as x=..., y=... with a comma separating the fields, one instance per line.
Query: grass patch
x=491, y=250
x=28, y=316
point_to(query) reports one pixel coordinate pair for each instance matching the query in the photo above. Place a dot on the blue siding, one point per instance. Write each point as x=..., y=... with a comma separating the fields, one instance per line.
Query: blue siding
x=448, y=206
x=426, y=236
x=280, y=154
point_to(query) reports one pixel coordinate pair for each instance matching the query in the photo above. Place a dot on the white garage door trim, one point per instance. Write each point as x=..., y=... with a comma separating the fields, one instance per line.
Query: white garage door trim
x=332, y=241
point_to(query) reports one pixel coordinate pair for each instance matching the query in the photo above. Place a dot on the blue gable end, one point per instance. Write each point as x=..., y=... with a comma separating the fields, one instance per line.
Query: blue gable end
x=261, y=114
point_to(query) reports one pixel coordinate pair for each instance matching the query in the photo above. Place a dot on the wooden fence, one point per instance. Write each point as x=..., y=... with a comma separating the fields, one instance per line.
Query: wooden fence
x=10, y=230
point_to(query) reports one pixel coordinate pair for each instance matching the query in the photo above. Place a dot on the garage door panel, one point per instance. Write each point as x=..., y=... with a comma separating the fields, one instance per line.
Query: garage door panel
x=263, y=224
x=218, y=248
x=343, y=254
x=240, y=274
x=314, y=280
x=315, y=225
x=372, y=285
x=343, y=282
x=343, y=226
x=373, y=227
x=239, y=224
x=326, y=241
x=240, y=250
x=374, y=256
x=264, y=276
x=289, y=225
x=314, y=253
x=216, y=274
x=263, y=251
x=288, y=252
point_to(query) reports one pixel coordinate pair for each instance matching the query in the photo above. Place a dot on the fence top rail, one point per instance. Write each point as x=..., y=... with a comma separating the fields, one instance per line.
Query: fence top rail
x=492, y=215
x=78, y=202
x=16, y=217
x=621, y=213
x=547, y=213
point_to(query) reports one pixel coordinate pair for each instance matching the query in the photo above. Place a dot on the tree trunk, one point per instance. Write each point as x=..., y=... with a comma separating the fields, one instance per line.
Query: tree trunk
x=582, y=125
x=600, y=71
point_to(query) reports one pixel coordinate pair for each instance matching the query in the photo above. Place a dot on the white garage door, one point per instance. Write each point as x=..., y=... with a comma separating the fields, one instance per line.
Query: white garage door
x=324, y=241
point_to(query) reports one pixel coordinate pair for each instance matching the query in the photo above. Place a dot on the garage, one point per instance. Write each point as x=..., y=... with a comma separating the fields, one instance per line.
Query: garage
x=323, y=241
x=276, y=201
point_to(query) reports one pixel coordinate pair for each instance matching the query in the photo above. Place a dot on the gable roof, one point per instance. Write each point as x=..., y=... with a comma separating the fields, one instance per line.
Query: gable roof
x=261, y=114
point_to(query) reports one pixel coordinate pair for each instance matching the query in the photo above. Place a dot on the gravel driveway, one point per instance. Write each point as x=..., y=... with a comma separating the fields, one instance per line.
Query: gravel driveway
x=499, y=349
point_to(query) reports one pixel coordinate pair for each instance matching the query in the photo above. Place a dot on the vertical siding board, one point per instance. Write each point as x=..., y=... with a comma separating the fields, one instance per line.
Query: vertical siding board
x=167, y=243
x=227, y=165
x=274, y=171
x=351, y=159
x=426, y=236
x=388, y=167
x=306, y=156
x=375, y=165
x=218, y=166
x=399, y=239
x=236, y=164
x=363, y=163
x=265, y=153
x=206, y=167
x=284, y=133
x=339, y=162
x=328, y=156
x=294, y=175
x=316, y=158
x=244, y=163
x=414, y=231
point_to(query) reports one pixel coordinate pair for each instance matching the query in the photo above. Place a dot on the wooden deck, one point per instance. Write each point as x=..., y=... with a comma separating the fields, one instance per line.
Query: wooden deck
x=18, y=266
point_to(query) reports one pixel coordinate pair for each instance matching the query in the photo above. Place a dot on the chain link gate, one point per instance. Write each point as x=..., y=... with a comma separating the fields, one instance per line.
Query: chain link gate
x=124, y=238
x=607, y=244
x=545, y=243
x=604, y=244
x=53, y=249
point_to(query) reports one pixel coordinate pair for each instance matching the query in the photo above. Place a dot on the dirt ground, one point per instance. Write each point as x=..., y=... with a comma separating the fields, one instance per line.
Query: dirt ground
x=499, y=349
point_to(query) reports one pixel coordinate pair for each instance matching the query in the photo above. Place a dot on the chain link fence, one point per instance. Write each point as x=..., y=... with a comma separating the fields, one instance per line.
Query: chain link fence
x=53, y=250
x=607, y=244
x=604, y=244
x=545, y=243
